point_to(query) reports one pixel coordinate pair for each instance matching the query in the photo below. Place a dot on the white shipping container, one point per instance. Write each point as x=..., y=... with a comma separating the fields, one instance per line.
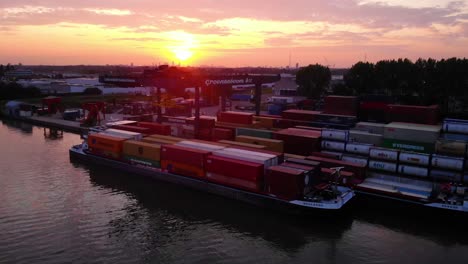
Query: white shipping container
x=413, y=170
x=333, y=145
x=334, y=134
x=385, y=154
x=358, y=148
x=446, y=175
x=353, y=159
x=415, y=158
x=383, y=166
x=123, y=134
x=461, y=128
x=448, y=162
x=199, y=145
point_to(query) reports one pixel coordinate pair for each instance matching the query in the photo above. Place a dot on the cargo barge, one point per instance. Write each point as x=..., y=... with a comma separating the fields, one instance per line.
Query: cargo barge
x=331, y=198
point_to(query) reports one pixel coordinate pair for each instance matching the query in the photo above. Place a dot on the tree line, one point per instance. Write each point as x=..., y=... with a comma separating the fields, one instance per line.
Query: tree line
x=428, y=80
x=13, y=90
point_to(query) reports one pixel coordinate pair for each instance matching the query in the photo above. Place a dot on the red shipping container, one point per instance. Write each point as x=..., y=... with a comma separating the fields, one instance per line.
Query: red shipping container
x=234, y=168
x=136, y=129
x=234, y=182
x=205, y=134
x=413, y=114
x=373, y=106
x=235, y=117
x=182, y=169
x=299, y=141
x=325, y=155
x=223, y=134
x=189, y=156
x=285, y=183
x=205, y=121
x=341, y=105
x=155, y=128
x=358, y=170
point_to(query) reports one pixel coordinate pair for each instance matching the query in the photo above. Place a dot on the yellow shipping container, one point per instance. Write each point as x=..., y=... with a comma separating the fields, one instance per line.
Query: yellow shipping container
x=142, y=149
x=265, y=122
x=241, y=144
x=168, y=138
x=270, y=144
x=153, y=140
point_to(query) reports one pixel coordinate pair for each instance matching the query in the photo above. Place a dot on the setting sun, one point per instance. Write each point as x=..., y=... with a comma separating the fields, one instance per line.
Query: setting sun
x=183, y=54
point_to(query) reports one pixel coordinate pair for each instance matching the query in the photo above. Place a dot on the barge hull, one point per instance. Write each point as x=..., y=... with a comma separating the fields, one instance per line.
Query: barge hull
x=294, y=207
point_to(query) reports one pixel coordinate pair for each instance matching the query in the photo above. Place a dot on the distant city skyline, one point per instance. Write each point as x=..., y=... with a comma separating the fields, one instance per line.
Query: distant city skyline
x=230, y=33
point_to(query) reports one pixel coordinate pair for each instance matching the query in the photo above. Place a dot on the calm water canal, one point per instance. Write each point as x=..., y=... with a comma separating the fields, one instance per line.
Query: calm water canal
x=55, y=211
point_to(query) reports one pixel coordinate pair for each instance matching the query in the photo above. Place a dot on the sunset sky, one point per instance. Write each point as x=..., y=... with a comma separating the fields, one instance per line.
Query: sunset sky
x=230, y=33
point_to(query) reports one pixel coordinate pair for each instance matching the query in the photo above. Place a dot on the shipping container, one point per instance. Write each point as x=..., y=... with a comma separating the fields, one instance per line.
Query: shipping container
x=305, y=162
x=384, y=154
x=413, y=170
x=341, y=105
x=237, y=143
x=454, y=137
x=222, y=134
x=450, y=147
x=259, y=133
x=184, y=155
x=337, y=119
x=409, y=145
x=452, y=127
x=266, y=122
x=235, y=117
x=358, y=170
x=123, y=134
x=142, y=150
x=157, y=141
x=334, y=134
x=292, y=156
x=270, y=144
x=303, y=115
x=420, y=159
x=413, y=113
x=155, y=128
x=103, y=142
x=299, y=142
x=445, y=162
x=285, y=183
x=141, y=161
x=373, y=128
x=355, y=159
x=204, y=121
x=274, y=156
x=236, y=173
x=200, y=145
x=445, y=175
x=137, y=129
x=169, y=138
x=333, y=145
x=365, y=137
x=412, y=132
x=328, y=154
x=265, y=161
x=358, y=148
x=383, y=166
x=182, y=168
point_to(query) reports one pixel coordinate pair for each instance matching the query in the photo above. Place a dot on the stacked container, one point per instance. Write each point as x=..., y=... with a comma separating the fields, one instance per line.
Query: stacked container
x=235, y=117
x=411, y=137
x=142, y=153
x=299, y=141
x=270, y=144
x=341, y=105
x=183, y=160
x=105, y=145
x=285, y=182
x=235, y=173
x=155, y=128
x=415, y=114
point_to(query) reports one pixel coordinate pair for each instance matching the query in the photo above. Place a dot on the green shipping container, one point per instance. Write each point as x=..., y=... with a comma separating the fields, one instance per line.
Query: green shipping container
x=142, y=161
x=260, y=133
x=409, y=145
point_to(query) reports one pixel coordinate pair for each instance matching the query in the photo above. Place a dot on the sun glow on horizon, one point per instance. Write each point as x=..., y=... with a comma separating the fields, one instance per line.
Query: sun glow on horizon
x=182, y=45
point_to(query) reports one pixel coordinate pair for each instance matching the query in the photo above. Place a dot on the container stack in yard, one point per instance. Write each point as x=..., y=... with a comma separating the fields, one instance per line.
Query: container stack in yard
x=415, y=114
x=412, y=137
x=341, y=105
